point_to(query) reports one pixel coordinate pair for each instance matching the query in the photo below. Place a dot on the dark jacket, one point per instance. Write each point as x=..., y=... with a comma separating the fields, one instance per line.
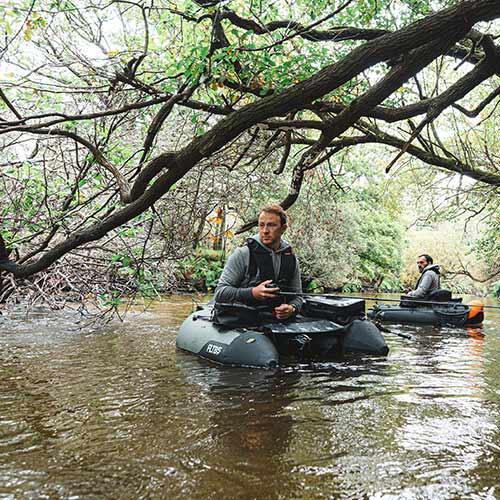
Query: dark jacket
x=235, y=283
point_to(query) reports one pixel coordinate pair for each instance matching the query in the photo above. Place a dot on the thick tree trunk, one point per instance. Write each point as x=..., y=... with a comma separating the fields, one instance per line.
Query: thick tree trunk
x=449, y=25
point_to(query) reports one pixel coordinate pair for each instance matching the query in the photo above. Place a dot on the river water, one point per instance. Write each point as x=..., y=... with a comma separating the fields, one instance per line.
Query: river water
x=118, y=412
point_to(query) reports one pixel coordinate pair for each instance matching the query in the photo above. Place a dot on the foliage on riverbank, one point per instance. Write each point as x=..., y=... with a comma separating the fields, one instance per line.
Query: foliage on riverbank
x=137, y=139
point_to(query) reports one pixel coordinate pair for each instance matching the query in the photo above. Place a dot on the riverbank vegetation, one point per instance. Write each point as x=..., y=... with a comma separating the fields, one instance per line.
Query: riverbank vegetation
x=138, y=140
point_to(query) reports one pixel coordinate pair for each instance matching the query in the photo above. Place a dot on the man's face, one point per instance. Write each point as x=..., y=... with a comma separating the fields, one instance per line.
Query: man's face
x=270, y=230
x=421, y=263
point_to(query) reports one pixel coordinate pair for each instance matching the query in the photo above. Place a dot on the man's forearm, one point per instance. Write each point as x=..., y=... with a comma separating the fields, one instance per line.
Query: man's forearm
x=229, y=286
x=228, y=294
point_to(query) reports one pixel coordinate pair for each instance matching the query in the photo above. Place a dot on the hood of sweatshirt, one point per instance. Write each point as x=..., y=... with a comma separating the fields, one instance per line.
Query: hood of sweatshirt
x=431, y=267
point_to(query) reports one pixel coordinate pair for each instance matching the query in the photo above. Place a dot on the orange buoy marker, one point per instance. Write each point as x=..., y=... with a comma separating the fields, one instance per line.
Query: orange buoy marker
x=475, y=315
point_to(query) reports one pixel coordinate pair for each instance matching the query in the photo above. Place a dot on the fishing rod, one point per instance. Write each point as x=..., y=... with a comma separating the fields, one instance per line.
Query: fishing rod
x=383, y=299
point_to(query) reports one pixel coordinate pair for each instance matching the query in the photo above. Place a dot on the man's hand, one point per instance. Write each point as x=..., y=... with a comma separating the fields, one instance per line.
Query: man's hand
x=260, y=292
x=284, y=311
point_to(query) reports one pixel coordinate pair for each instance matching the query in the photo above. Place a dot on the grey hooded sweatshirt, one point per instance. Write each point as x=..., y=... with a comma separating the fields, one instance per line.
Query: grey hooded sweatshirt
x=428, y=281
x=235, y=285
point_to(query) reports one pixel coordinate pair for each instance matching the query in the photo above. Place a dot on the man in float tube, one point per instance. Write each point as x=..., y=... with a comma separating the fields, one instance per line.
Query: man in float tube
x=264, y=259
x=429, y=277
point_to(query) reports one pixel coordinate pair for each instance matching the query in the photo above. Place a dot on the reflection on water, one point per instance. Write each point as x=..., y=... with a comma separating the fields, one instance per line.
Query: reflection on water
x=119, y=413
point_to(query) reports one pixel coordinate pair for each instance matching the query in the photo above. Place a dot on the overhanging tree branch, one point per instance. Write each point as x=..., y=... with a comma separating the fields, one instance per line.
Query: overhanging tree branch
x=475, y=112
x=123, y=185
x=441, y=30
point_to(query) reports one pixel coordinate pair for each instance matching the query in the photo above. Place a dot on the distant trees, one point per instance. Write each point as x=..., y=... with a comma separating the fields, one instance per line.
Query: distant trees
x=123, y=114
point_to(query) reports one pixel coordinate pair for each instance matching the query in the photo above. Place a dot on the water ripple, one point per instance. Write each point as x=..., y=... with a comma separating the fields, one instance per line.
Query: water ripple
x=117, y=412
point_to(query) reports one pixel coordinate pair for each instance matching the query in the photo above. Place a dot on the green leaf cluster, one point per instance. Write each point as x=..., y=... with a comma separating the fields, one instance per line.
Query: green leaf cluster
x=201, y=270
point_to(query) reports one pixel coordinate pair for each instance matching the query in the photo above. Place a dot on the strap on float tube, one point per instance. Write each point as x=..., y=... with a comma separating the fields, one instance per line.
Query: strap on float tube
x=382, y=299
x=383, y=329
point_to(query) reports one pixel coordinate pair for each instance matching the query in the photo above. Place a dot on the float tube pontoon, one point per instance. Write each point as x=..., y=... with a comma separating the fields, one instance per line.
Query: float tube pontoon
x=239, y=335
x=450, y=312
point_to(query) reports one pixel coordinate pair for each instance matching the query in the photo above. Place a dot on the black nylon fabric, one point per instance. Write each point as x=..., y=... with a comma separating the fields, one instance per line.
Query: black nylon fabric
x=261, y=262
x=439, y=295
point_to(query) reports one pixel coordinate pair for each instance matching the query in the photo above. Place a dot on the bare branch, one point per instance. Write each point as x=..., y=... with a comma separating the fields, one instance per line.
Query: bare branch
x=414, y=47
x=9, y=104
x=122, y=182
x=475, y=112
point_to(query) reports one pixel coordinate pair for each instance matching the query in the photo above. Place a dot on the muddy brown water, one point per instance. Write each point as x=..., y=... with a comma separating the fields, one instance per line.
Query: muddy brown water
x=118, y=412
